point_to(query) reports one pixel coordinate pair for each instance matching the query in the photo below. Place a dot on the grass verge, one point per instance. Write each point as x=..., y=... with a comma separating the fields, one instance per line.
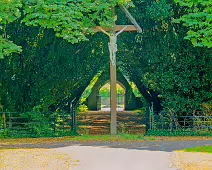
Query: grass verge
x=97, y=138
x=111, y=138
x=83, y=138
x=205, y=149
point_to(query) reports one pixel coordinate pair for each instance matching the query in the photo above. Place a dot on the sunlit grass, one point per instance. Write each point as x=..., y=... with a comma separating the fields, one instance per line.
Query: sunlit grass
x=207, y=149
x=111, y=138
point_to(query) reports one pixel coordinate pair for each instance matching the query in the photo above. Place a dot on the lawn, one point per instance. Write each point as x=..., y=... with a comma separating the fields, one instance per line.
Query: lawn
x=206, y=149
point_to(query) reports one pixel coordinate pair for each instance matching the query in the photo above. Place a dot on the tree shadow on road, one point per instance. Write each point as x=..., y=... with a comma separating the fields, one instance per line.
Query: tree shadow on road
x=166, y=146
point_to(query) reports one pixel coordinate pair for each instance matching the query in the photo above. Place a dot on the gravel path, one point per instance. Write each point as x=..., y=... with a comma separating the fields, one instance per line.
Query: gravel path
x=192, y=161
x=34, y=159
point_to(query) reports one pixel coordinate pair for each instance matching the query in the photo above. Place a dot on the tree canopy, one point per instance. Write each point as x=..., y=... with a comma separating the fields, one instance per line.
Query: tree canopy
x=70, y=19
x=50, y=62
x=198, y=18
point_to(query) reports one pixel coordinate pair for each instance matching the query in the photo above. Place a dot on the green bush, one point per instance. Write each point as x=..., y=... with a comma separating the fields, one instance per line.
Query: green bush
x=4, y=133
x=83, y=108
x=37, y=124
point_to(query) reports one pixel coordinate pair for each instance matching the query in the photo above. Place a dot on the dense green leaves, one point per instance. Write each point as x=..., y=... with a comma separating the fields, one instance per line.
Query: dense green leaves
x=198, y=19
x=51, y=72
x=169, y=66
x=9, y=12
x=159, y=11
x=7, y=47
x=70, y=19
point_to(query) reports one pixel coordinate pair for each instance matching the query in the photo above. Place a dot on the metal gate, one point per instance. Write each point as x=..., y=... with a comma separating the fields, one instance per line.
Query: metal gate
x=103, y=102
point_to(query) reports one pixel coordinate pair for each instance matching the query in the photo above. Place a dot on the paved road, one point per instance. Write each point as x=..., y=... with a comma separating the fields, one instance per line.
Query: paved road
x=127, y=156
x=103, y=158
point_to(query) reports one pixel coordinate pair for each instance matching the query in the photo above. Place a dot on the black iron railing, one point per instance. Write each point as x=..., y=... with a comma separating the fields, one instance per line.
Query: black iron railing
x=196, y=124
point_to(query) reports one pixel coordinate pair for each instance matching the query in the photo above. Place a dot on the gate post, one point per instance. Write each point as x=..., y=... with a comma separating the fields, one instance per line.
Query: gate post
x=74, y=117
x=148, y=119
x=98, y=102
x=172, y=125
x=4, y=121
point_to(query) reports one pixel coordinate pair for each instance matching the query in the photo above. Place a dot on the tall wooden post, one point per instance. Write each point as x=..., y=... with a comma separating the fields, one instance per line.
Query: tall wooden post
x=113, y=33
x=113, y=97
x=113, y=100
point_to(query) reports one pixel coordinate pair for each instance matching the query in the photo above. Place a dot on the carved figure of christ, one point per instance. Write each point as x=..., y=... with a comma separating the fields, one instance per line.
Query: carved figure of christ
x=113, y=44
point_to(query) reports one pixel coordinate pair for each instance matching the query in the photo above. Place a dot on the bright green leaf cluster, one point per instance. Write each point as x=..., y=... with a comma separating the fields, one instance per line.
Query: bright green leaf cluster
x=70, y=19
x=7, y=47
x=9, y=12
x=198, y=20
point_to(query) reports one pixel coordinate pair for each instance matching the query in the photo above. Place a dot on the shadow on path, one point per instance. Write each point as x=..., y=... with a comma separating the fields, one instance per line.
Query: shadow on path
x=167, y=146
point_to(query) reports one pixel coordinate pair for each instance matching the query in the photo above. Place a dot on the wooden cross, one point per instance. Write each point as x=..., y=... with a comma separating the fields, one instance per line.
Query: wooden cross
x=113, y=33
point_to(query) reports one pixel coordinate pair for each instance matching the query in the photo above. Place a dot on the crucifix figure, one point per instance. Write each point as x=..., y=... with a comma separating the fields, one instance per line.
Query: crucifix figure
x=113, y=33
x=113, y=48
x=113, y=44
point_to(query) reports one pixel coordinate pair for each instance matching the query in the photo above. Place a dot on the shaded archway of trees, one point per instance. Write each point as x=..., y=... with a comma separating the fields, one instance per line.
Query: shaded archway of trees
x=92, y=99
x=51, y=73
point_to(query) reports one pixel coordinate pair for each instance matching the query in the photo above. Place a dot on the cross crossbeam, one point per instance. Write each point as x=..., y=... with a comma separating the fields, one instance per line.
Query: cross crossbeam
x=116, y=28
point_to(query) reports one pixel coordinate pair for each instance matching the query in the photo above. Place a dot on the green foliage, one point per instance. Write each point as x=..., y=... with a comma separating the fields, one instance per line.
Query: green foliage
x=83, y=108
x=88, y=89
x=207, y=108
x=4, y=133
x=1, y=121
x=38, y=123
x=140, y=112
x=71, y=20
x=105, y=90
x=51, y=72
x=135, y=89
x=159, y=10
x=170, y=68
x=7, y=47
x=9, y=12
x=198, y=18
